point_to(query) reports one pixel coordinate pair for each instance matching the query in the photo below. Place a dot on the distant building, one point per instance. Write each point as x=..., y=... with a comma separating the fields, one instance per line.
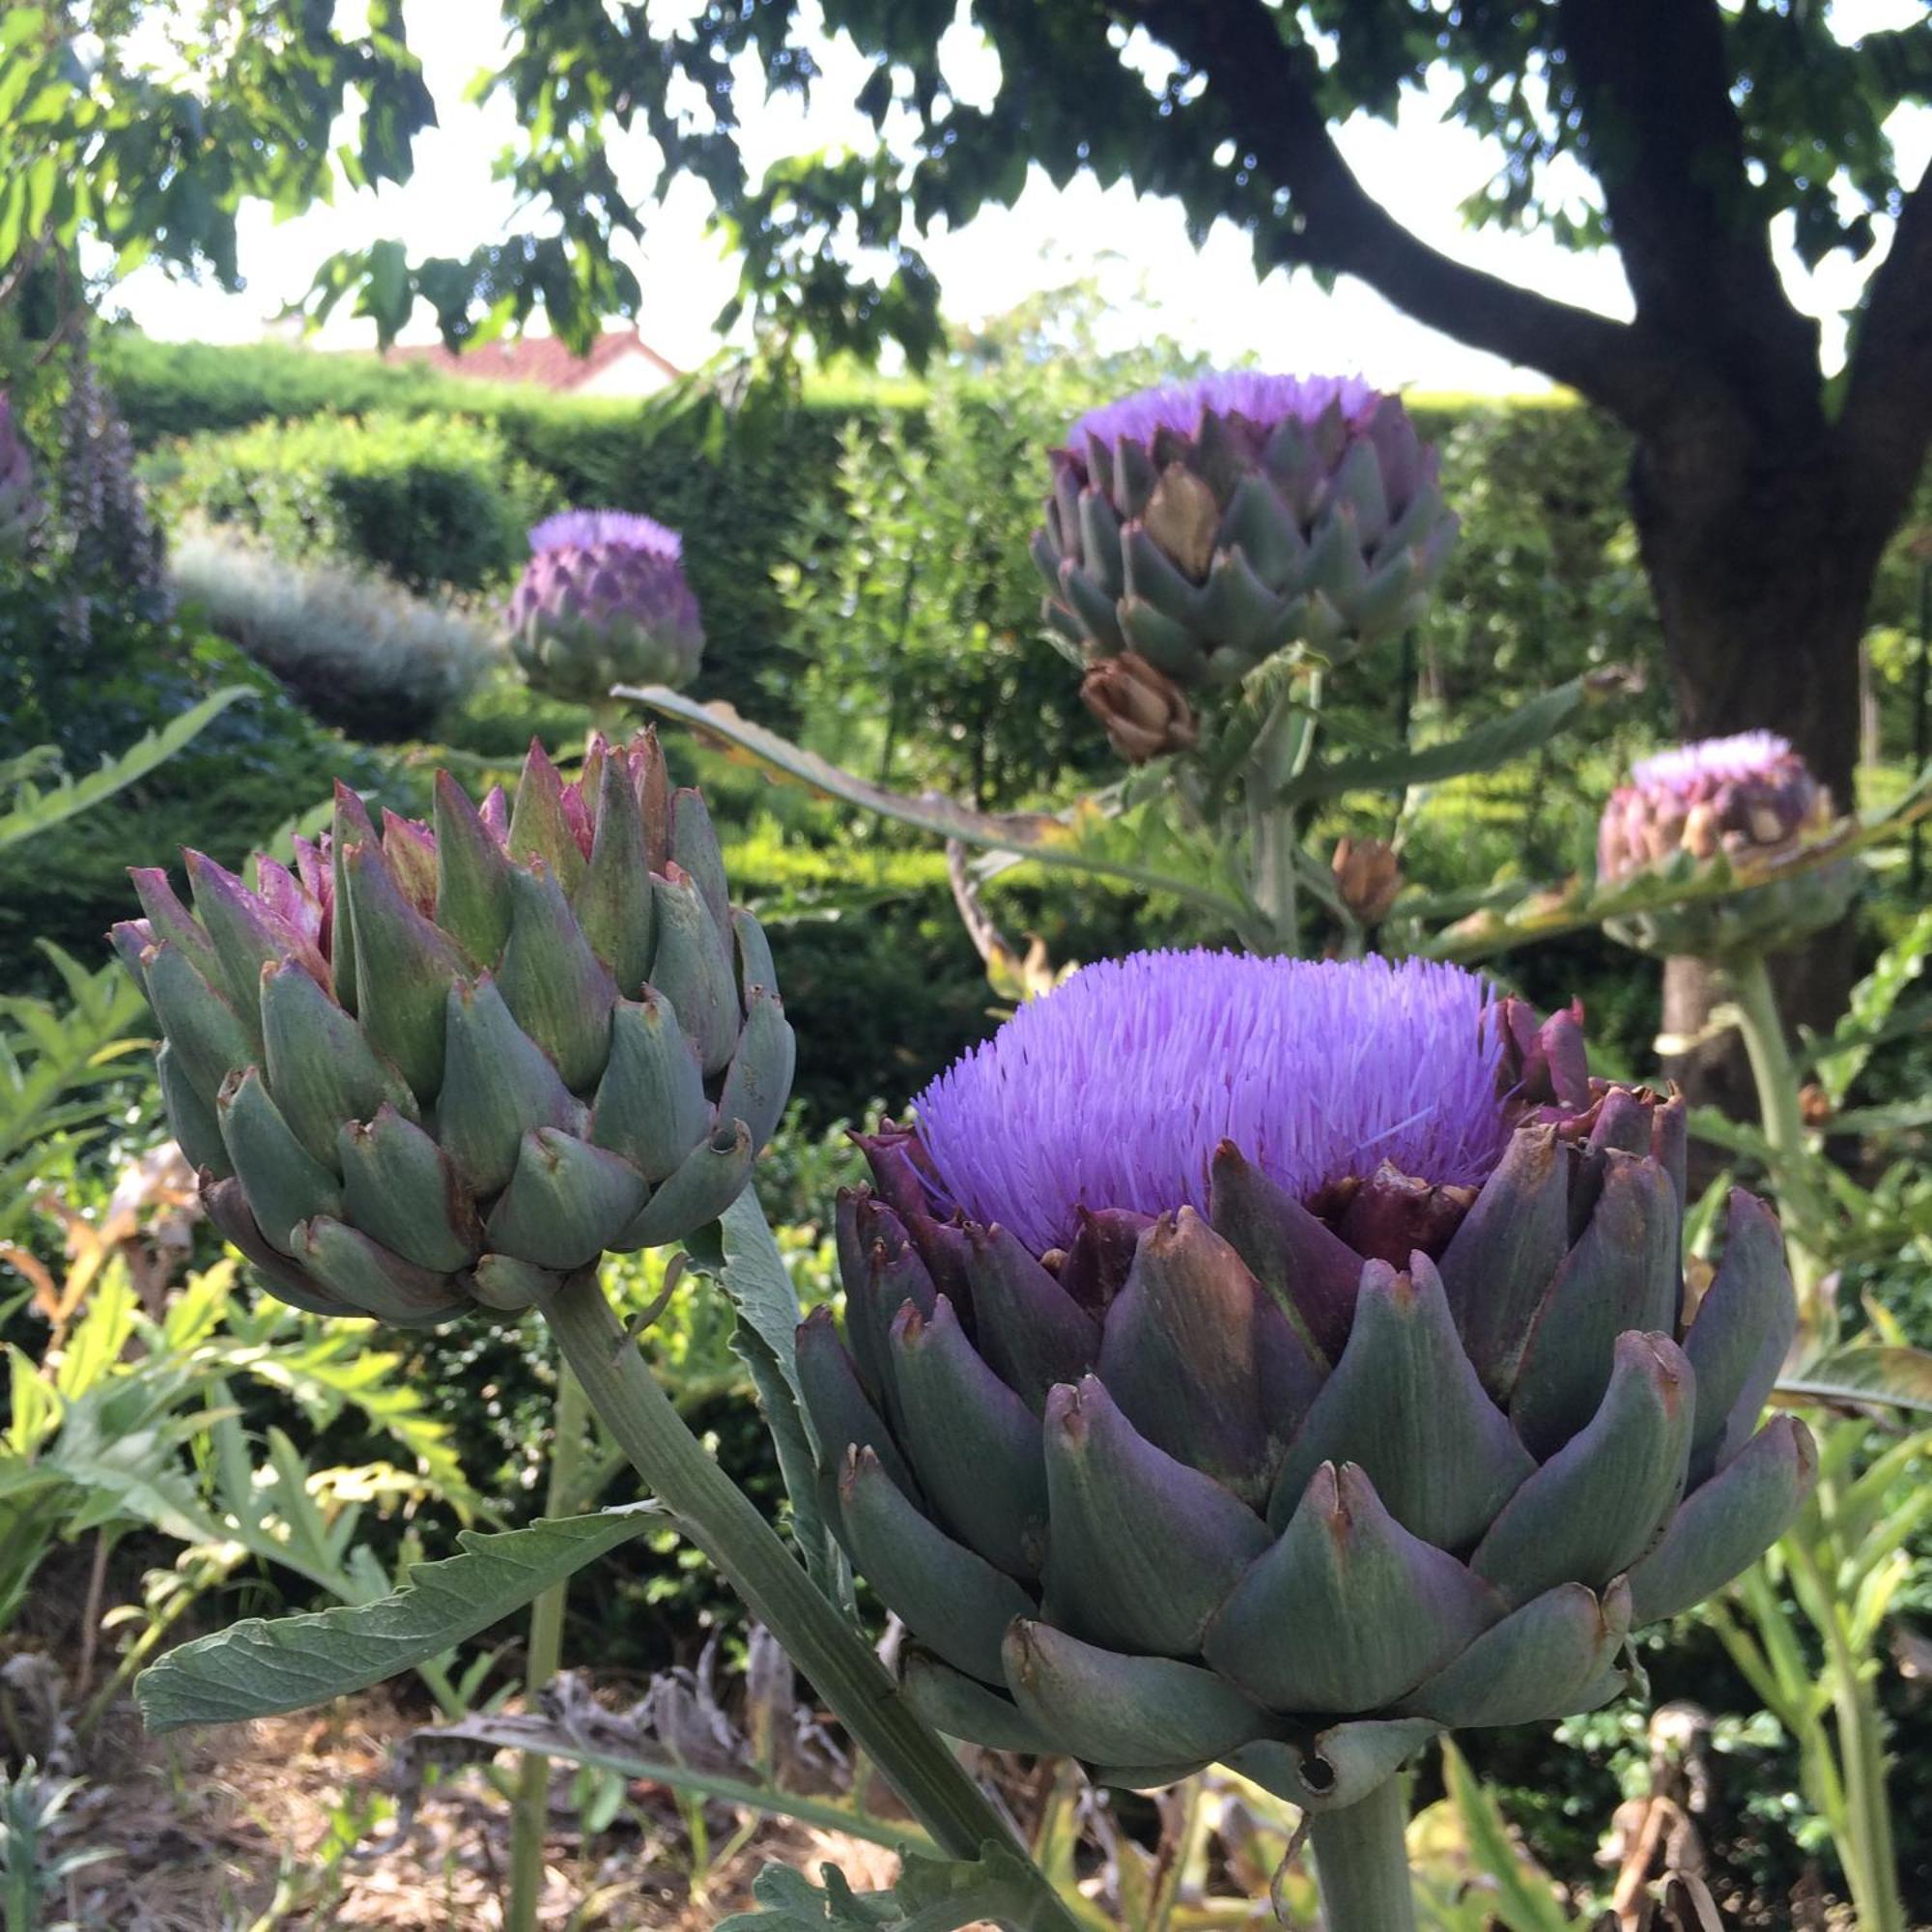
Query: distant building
x=620, y=362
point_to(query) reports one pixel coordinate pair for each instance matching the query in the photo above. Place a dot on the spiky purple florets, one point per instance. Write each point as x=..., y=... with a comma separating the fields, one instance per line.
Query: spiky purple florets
x=1115, y=1089
x=622, y=529
x=1265, y=400
x=1689, y=769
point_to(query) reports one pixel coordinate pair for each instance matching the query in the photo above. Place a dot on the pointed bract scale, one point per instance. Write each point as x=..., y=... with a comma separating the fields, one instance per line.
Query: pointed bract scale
x=650, y=1105
x=695, y=970
x=539, y=826
x=1347, y=1612
x=246, y=937
x=1404, y=1403
x=284, y=1183
x=371, y=1278
x=1025, y=1323
x=694, y=846
x=754, y=955
x=321, y=1070
x=405, y=969
x=210, y=1042
x=842, y=1415
x=192, y=1119
x=131, y=938
x=1621, y=1275
x=1602, y=1499
x=1141, y=1548
x=964, y=1708
x=497, y=1085
x=1311, y=1275
x=410, y=848
x=559, y=991
x=711, y=1177
x=615, y=904
x=953, y=1602
x=1100, y=1256
x=472, y=876
x=351, y=825
x=1725, y=1525
x=1540, y=1663
x=974, y=1444
x=1183, y=1352
x=402, y=1190
x=495, y=812
x=170, y=921
x=758, y=1083
x=1114, y=1709
x=1741, y=1335
x=1500, y=1264
x=888, y=1273
x=510, y=1286
x=565, y=1203
x=227, y=1207
x=1338, y=1767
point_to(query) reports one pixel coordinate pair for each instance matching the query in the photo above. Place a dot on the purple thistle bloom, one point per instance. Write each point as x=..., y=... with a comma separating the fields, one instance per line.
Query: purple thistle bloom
x=1265, y=400
x=620, y=529
x=1115, y=1089
x=1689, y=769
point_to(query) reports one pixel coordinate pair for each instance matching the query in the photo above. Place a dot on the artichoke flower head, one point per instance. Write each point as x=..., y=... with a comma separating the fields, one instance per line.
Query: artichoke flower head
x=449, y=1062
x=1279, y=1362
x=1205, y=526
x=604, y=601
x=1740, y=801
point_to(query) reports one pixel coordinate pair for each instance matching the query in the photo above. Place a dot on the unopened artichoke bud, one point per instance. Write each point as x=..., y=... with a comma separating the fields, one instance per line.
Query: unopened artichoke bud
x=1145, y=712
x=604, y=601
x=1239, y=1365
x=1724, y=804
x=1207, y=525
x=1368, y=876
x=455, y=1062
x=21, y=508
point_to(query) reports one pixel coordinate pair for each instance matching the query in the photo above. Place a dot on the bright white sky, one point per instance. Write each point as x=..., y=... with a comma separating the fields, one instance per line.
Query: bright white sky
x=1422, y=169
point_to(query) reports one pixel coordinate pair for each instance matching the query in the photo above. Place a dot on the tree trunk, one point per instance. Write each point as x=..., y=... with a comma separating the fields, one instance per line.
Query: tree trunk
x=1761, y=550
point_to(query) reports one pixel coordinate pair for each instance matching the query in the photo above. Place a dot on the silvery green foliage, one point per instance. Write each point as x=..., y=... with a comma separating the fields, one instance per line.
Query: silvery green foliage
x=358, y=649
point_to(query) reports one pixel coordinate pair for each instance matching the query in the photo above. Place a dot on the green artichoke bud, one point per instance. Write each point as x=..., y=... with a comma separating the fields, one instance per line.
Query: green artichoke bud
x=456, y=1061
x=1279, y=1362
x=1724, y=804
x=1209, y=525
x=21, y=508
x=604, y=601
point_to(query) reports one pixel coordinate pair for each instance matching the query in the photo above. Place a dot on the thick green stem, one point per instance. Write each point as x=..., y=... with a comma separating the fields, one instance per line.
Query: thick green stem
x=1808, y=1215
x=722, y=1522
x=530, y=1811
x=1361, y=1864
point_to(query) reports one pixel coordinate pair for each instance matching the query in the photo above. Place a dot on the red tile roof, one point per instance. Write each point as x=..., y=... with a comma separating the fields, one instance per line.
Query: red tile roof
x=540, y=359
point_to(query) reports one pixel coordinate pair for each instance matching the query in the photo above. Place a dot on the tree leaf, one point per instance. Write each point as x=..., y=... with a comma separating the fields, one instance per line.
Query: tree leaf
x=259, y=1667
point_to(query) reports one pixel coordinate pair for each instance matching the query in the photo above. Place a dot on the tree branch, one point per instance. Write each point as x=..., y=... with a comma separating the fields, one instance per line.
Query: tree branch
x=1887, y=422
x=1268, y=87
x=1652, y=79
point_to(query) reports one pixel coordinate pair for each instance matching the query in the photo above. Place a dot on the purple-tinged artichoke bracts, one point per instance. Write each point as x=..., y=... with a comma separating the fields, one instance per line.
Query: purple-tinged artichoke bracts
x=1277, y=1363
x=1732, y=803
x=22, y=508
x=604, y=601
x=456, y=1061
x=1209, y=525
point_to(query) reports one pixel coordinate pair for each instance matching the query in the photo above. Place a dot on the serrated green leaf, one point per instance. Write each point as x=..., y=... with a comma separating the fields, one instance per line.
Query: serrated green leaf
x=259, y=1667
x=931, y=1895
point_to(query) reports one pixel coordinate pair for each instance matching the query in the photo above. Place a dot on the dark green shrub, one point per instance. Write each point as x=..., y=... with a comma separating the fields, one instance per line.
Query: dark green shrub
x=432, y=502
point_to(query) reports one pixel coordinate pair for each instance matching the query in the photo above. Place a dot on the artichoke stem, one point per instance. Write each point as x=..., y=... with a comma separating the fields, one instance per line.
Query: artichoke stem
x=530, y=1813
x=1808, y=1215
x=719, y=1519
x=1361, y=1862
